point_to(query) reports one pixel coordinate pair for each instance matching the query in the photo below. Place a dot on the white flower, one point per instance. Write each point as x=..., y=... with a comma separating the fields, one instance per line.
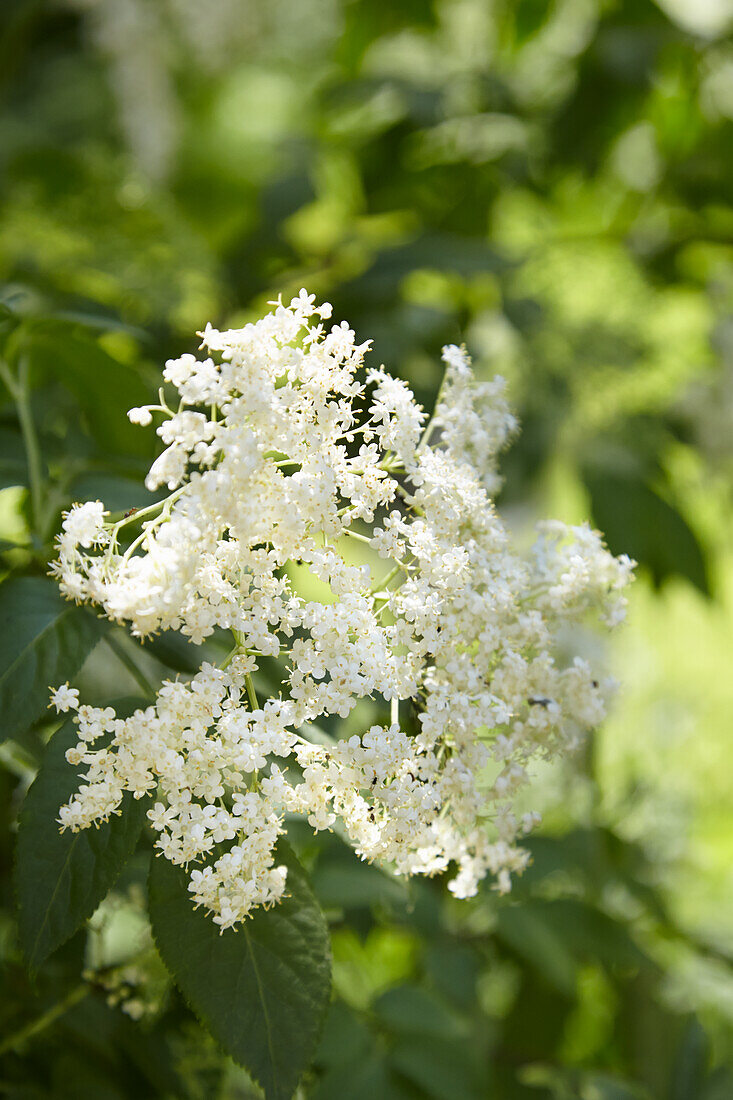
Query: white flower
x=284, y=468
x=83, y=525
x=65, y=698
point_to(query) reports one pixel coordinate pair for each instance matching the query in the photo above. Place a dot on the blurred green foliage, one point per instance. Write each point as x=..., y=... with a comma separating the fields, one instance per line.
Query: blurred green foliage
x=548, y=180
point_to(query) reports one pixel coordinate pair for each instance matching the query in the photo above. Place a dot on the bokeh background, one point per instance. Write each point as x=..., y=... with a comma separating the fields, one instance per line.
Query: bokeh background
x=550, y=182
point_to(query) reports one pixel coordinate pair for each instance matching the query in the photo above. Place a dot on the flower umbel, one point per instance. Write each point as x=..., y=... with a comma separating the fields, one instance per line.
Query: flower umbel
x=281, y=450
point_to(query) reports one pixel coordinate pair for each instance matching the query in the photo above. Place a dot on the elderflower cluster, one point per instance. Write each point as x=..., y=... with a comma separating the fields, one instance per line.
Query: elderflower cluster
x=282, y=451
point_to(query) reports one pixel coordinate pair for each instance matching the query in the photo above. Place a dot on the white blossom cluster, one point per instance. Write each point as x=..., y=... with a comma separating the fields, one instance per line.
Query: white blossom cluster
x=282, y=450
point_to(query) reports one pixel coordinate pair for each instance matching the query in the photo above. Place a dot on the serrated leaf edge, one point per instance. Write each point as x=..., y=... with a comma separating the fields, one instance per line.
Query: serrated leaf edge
x=201, y=1016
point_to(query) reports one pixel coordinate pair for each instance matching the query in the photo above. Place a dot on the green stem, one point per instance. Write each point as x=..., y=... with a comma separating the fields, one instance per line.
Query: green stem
x=356, y=535
x=13, y=1042
x=252, y=694
x=254, y=781
x=33, y=451
x=18, y=760
x=410, y=501
x=385, y=581
x=230, y=656
x=432, y=422
x=139, y=513
x=320, y=735
x=19, y=390
x=124, y=658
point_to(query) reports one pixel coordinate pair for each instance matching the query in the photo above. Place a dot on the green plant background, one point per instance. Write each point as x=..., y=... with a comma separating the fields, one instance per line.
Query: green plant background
x=550, y=181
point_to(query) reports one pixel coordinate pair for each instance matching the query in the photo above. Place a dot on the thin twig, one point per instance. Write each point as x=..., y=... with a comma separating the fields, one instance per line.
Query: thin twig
x=19, y=390
x=13, y=1042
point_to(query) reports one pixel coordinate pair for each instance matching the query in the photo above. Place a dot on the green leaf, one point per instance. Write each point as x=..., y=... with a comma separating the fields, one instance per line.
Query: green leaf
x=410, y=1010
x=557, y=936
x=441, y=1068
x=529, y=17
x=365, y=1079
x=346, y=883
x=61, y=878
x=13, y=463
x=567, y=1083
x=690, y=1068
x=352, y=1061
x=175, y=651
x=101, y=385
x=637, y=521
x=117, y=491
x=263, y=989
x=345, y=1039
x=719, y=1085
x=453, y=969
x=525, y=931
x=43, y=642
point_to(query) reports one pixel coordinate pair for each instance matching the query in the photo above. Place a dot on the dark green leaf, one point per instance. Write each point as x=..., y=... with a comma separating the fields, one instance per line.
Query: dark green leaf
x=263, y=989
x=354, y=1061
x=60, y=878
x=102, y=386
x=637, y=521
x=43, y=642
x=175, y=650
x=590, y=933
x=560, y=935
x=345, y=1038
x=525, y=930
x=117, y=492
x=349, y=884
x=409, y=1010
x=530, y=16
x=453, y=969
x=690, y=1068
x=443, y=1069
x=567, y=1084
x=13, y=463
x=366, y=1079
x=719, y=1085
